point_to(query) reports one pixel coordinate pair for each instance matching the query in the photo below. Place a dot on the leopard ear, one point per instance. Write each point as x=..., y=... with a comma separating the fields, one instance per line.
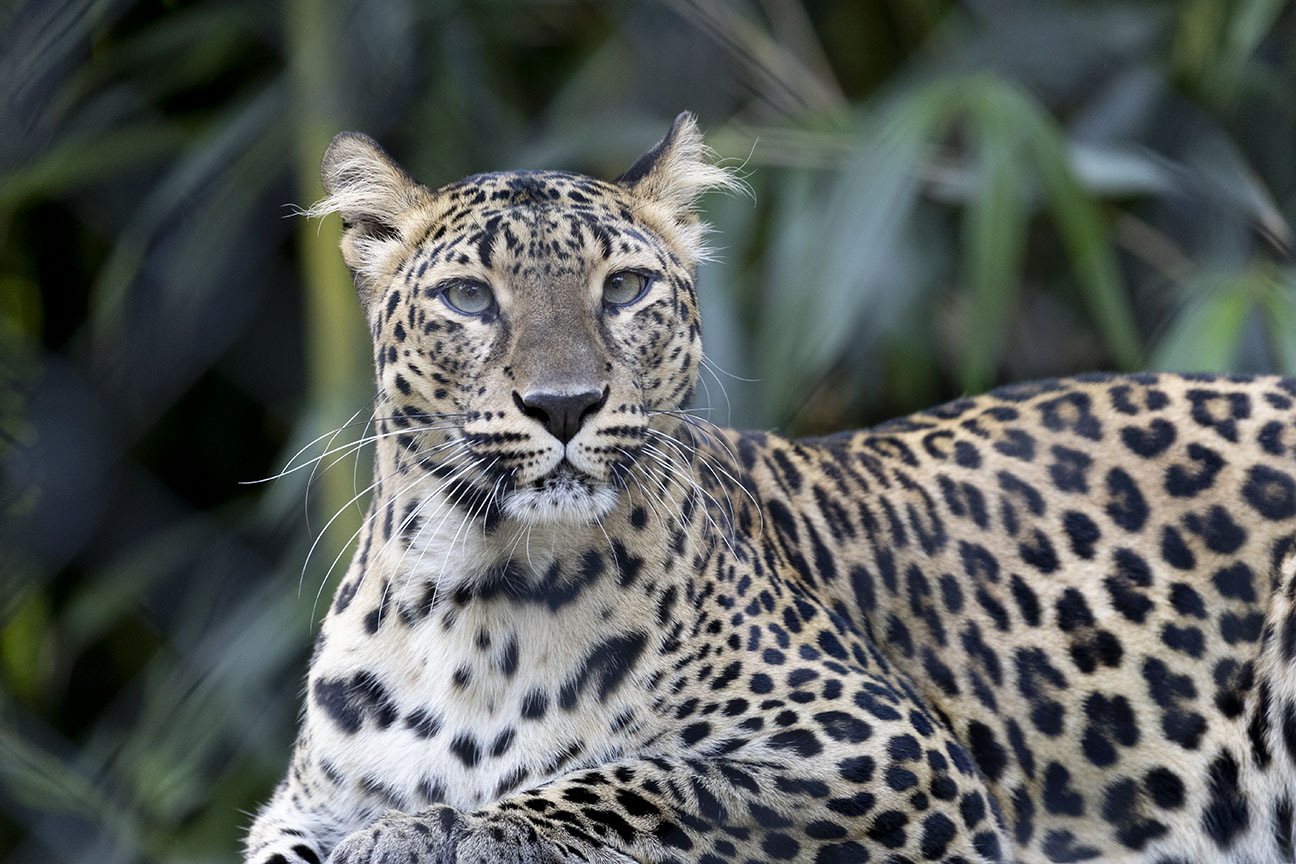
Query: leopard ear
x=674, y=173
x=372, y=194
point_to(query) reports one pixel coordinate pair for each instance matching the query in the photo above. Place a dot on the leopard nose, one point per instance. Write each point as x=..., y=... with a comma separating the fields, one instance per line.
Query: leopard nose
x=561, y=413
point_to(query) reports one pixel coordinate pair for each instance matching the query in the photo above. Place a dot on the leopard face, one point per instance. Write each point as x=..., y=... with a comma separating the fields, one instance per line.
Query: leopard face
x=529, y=327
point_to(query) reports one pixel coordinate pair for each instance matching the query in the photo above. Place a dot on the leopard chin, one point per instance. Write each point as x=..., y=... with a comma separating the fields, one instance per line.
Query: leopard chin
x=565, y=496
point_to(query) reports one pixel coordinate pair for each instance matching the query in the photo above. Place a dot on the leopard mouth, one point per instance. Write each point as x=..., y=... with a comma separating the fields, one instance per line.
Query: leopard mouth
x=565, y=494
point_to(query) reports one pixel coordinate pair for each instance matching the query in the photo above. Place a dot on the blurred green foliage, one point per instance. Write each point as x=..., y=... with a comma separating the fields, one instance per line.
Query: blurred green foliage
x=947, y=196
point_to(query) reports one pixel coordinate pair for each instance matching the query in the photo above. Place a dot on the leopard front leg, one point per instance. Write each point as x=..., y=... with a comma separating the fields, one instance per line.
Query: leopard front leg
x=757, y=805
x=443, y=835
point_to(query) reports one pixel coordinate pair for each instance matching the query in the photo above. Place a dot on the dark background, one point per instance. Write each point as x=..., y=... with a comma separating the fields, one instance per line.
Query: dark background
x=947, y=196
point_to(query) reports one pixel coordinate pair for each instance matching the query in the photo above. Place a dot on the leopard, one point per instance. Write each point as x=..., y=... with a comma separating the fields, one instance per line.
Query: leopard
x=1055, y=622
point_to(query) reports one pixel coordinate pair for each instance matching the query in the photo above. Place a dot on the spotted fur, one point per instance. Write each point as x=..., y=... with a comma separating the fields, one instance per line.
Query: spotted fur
x=1053, y=623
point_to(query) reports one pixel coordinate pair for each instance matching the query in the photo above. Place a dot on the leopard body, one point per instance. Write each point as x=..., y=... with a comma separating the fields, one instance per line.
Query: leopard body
x=1050, y=623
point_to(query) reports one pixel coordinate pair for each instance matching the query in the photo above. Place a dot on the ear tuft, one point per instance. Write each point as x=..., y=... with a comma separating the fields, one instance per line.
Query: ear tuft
x=371, y=193
x=675, y=172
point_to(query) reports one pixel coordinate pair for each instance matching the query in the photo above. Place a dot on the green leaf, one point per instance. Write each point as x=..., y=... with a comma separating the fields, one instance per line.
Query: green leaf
x=1279, y=310
x=1204, y=336
x=994, y=233
x=839, y=291
x=1080, y=223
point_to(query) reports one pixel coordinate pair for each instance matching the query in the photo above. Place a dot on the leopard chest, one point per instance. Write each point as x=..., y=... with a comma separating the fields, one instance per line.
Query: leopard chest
x=464, y=707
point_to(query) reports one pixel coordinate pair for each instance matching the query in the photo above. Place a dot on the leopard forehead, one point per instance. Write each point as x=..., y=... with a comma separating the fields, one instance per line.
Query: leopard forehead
x=528, y=231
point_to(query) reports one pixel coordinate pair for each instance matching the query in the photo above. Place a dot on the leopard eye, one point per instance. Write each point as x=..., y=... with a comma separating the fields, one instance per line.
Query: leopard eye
x=468, y=297
x=625, y=287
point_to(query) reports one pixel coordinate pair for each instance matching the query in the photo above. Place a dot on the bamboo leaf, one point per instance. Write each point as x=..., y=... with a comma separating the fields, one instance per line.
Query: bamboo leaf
x=1204, y=335
x=994, y=234
x=1080, y=223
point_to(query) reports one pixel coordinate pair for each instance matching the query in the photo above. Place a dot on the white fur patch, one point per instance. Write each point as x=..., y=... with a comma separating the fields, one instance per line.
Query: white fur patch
x=561, y=498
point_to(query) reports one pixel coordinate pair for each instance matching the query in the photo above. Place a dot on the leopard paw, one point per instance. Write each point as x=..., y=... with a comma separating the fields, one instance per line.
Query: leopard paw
x=443, y=835
x=428, y=837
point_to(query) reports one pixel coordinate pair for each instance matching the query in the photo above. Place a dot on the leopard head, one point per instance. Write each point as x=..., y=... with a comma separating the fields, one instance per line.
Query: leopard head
x=530, y=327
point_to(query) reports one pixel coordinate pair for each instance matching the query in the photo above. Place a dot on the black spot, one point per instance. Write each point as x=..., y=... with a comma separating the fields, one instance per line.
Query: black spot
x=1235, y=582
x=1060, y=847
x=822, y=829
x=779, y=846
x=1109, y=721
x=1038, y=552
x=888, y=829
x=423, y=723
x=842, y=853
x=1220, y=532
x=1207, y=409
x=856, y=769
x=1027, y=600
x=1227, y=813
x=465, y=746
x=1082, y=532
x=1151, y=441
x=1271, y=493
x=1016, y=444
x=939, y=673
x=904, y=748
x=1284, y=828
x=1241, y=628
x=1270, y=437
x=1071, y=412
x=1070, y=469
x=1174, y=551
x=988, y=753
x=800, y=741
x=840, y=726
x=502, y=743
x=635, y=804
x=1168, y=690
x=508, y=662
x=534, y=705
x=1185, y=482
x=1165, y=788
x=1131, y=573
x=346, y=593
x=951, y=593
x=1186, y=601
x=1125, y=504
x=1059, y=798
x=349, y=702
x=971, y=809
x=1186, y=640
x=1121, y=807
x=900, y=779
x=937, y=833
x=1035, y=677
x=606, y=665
x=966, y=454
